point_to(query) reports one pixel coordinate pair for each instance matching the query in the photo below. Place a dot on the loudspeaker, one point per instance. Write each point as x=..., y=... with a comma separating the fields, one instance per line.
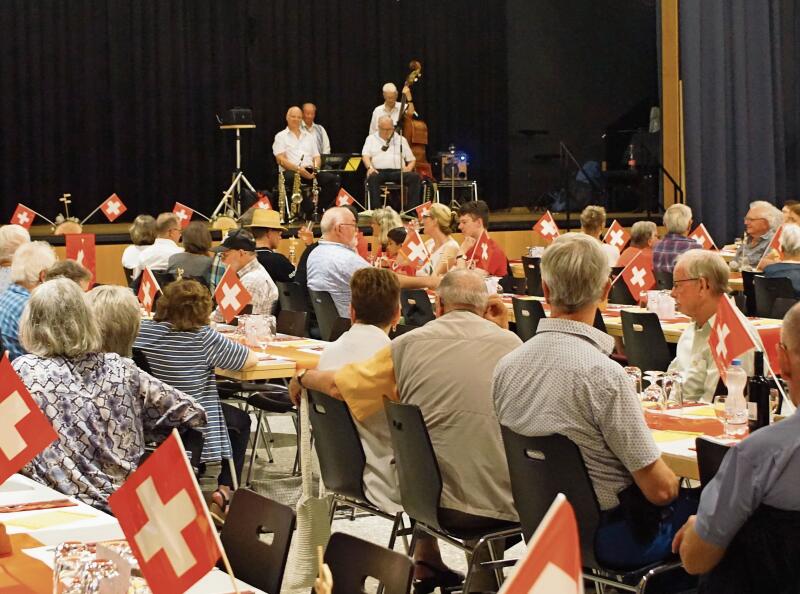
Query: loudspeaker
x=454, y=165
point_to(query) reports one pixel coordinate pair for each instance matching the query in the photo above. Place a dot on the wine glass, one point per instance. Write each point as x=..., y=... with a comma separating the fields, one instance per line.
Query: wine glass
x=673, y=390
x=635, y=375
x=653, y=392
x=719, y=409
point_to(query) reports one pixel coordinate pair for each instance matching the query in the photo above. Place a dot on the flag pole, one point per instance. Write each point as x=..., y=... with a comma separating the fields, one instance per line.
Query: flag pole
x=474, y=249
x=631, y=261
x=89, y=216
x=40, y=215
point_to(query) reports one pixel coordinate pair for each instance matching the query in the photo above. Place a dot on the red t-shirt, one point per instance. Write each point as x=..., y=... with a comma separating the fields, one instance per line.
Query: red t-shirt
x=497, y=264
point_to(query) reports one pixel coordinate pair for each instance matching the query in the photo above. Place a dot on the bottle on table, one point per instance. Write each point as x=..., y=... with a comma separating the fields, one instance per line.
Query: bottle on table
x=735, y=404
x=758, y=388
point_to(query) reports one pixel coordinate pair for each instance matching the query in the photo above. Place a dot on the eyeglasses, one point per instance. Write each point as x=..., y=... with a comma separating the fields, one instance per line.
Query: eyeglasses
x=348, y=225
x=686, y=280
x=753, y=219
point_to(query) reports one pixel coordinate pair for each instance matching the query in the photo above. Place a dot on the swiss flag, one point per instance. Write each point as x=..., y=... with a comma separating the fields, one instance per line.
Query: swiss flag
x=184, y=214
x=231, y=295
x=24, y=430
x=729, y=338
x=552, y=563
x=166, y=521
x=424, y=210
x=638, y=275
x=617, y=235
x=80, y=247
x=703, y=237
x=362, y=246
x=148, y=288
x=480, y=253
x=113, y=207
x=263, y=202
x=23, y=216
x=774, y=244
x=344, y=198
x=546, y=227
x=414, y=249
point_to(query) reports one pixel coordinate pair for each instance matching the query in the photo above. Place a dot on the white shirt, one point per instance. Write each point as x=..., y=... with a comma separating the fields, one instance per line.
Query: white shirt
x=131, y=257
x=156, y=256
x=380, y=478
x=390, y=158
x=451, y=245
x=380, y=111
x=321, y=136
x=298, y=151
x=611, y=253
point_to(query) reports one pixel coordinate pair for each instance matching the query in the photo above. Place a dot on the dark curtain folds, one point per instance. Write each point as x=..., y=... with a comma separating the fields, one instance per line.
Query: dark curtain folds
x=104, y=96
x=741, y=73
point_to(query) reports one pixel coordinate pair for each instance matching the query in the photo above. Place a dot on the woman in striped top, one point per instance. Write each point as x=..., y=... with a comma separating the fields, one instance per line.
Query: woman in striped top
x=182, y=350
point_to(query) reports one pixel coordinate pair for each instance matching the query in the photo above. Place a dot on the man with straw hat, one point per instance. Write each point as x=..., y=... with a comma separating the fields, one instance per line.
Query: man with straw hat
x=266, y=229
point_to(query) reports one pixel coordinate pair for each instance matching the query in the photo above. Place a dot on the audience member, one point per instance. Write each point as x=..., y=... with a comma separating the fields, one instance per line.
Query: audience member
x=143, y=235
x=74, y=271
x=238, y=253
x=789, y=265
x=195, y=260
x=678, y=221
x=760, y=224
x=28, y=268
x=183, y=350
x=791, y=212
x=381, y=221
x=473, y=222
x=392, y=258
x=116, y=312
x=102, y=406
x=562, y=381
x=745, y=533
x=11, y=237
x=437, y=225
x=644, y=235
x=267, y=229
x=593, y=223
x=168, y=234
x=332, y=264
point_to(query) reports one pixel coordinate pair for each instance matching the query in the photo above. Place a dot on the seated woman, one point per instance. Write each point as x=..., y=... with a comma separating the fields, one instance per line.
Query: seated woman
x=789, y=265
x=74, y=271
x=382, y=221
x=143, y=234
x=102, y=406
x=183, y=350
x=11, y=237
x=593, y=222
x=195, y=260
x=438, y=226
x=116, y=312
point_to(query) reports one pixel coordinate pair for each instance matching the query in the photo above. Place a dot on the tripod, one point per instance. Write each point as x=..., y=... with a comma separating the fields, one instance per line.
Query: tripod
x=233, y=206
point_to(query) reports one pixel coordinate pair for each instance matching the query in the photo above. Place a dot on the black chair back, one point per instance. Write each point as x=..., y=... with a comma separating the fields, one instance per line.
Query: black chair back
x=193, y=442
x=352, y=560
x=541, y=468
x=250, y=517
x=140, y=359
x=767, y=290
x=293, y=323
x=291, y=297
x=533, y=276
x=163, y=278
x=325, y=311
x=527, y=314
x=416, y=307
x=749, y=290
x=340, y=326
x=645, y=345
x=741, y=302
x=709, y=458
x=341, y=455
x=599, y=323
x=417, y=468
x=400, y=330
x=781, y=307
x=621, y=294
x=663, y=280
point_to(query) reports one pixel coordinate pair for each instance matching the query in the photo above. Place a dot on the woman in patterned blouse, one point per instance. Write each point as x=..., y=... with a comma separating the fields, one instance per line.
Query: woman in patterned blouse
x=102, y=406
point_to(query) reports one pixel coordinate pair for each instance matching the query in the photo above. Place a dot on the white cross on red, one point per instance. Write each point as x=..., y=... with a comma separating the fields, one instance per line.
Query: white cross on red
x=416, y=252
x=181, y=214
x=722, y=335
x=12, y=410
x=549, y=228
x=229, y=300
x=113, y=206
x=23, y=218
x=484, y=251
x=147, y=300
x=617, y=237
x=637, y=276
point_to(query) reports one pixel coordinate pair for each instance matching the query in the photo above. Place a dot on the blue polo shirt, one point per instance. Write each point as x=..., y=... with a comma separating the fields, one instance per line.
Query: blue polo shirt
x=12, y=302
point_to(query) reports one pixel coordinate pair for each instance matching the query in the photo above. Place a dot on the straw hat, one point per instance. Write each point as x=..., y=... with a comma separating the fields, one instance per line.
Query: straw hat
x=266, y=219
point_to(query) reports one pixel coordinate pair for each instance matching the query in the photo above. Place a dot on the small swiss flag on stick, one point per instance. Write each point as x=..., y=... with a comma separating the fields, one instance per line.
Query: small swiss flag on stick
x=24, y=430
x=638, y=275
x=774, y=245
x=148, y=288
x=263, y=202
x=423, y=210
x=231, y=295
x=414, y=249
x=113, y=207
x=344, y=198
x=546, y=227
x=81, y=248
x=23, y=216
x=703, y=237
x=617, y=235
x=184, y=214
x=729, y=338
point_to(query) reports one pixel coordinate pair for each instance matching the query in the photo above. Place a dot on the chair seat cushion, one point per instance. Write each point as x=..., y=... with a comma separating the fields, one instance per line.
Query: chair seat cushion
x=271, y=402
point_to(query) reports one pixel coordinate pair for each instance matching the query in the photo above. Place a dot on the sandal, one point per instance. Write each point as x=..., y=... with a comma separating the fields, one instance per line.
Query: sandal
x=444, y=579
x=218, y=507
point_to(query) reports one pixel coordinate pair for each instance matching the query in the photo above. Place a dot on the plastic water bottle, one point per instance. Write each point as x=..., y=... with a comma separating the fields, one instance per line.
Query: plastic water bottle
x=735, y=404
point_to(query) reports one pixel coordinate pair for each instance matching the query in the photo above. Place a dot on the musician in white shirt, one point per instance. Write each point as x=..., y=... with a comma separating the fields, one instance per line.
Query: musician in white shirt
x=316, y=130
x=383, y=160
x=390, y=106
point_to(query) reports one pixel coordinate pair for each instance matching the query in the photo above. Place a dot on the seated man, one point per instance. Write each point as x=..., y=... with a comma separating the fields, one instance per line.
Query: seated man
x=678, y=221
x=473, y=222
x=700, y=279
x=760, y=225
x=745, y=532
x=168, y=234
x=385, y=152
x=265, y=225
x=562, y=381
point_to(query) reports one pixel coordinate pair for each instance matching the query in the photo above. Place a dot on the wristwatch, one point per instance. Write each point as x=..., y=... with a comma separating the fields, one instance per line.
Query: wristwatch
x=300, y=375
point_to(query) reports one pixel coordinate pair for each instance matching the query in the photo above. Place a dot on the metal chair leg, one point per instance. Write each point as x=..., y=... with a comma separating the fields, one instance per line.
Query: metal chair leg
x=234, y=478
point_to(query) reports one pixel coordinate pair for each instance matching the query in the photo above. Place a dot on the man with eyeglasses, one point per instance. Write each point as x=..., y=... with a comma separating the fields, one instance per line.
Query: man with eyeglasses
x=760, y=224
x=700, y=278
x=385, y=152
x=168, y=234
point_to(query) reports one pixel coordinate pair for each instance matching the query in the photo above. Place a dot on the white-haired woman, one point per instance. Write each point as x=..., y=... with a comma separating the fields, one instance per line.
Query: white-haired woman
x=11, y=237
x=789, y=265
x=116, y=312
x=102, y=406
x=383, y=221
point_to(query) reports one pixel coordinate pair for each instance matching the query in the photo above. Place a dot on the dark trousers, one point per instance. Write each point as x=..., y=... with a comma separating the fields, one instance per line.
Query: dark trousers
x=238, y=423
x=329, y=184
x=411, y=181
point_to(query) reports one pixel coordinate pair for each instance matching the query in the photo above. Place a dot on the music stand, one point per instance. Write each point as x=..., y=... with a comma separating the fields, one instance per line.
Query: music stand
x=231, y=205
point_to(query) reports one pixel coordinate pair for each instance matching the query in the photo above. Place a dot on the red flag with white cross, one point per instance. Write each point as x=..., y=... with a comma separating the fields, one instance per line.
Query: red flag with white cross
x=638, y=275
x=231, y=295
x=263, y=202
x=423, y=210
x=24, y=430
x=80, y=247
x=414, y=249
x=148, y=288
x=774, y=245
x=166, y=521
x=546, y=227
x=703, y=237
x=617, y=235
x=552, y=563
x=184, y=214
x=113, y=207
x=480, y=253
x=729, y=338
x=23, y=216
x=344, y=198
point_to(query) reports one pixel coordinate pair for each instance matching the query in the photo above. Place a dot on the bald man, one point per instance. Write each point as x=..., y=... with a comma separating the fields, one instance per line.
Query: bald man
x=295, y=150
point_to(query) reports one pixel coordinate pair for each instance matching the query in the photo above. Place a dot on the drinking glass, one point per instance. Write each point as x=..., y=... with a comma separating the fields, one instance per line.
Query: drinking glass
x=774, y=401
x=635, y=375
x=673, y=390
x=653, y=392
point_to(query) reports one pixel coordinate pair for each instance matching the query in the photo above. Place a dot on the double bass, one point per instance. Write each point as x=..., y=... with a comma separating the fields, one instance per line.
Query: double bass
x=415, y=131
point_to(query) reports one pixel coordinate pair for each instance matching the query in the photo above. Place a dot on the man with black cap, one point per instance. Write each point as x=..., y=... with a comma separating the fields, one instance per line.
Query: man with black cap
x=238, y=252
x=266, y=228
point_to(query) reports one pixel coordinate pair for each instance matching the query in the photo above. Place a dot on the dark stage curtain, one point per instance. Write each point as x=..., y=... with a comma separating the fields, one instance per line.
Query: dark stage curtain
x=104, y=96
x=740, y=64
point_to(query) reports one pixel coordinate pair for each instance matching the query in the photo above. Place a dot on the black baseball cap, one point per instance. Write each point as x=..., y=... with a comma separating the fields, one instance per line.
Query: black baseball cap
x=238, y=239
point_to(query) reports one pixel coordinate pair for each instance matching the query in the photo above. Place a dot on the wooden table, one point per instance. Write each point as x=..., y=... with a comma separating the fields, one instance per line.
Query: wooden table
x=280, y=360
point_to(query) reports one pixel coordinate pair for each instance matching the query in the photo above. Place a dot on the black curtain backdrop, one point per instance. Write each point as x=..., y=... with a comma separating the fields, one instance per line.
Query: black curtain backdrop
x=103, y=96
x=739, y=64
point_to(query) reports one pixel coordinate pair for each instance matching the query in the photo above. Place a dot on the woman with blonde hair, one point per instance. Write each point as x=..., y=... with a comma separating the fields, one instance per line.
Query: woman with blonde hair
x=593, y=223
x=437, y=225
x=384, y=220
